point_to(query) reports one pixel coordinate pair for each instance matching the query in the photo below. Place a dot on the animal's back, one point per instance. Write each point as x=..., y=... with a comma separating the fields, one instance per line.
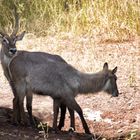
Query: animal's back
x=44, y=71
x=24, y=60
x=54, y=77
x=39, y=57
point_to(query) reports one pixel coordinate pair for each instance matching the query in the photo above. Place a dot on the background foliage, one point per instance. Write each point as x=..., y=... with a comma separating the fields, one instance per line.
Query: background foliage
x=113, y=19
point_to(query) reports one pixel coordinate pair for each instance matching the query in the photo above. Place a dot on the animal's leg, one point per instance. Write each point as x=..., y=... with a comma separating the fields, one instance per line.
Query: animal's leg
x=29, y=98
x=71, y=103
x=16, y=112
x=21, y=107
x=72, y=120
x=21, y=90
x=56, y=105
x=62, y=116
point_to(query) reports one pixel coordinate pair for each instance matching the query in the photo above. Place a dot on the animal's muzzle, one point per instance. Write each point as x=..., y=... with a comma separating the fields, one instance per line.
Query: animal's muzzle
x=13, y=50
x=115, y=93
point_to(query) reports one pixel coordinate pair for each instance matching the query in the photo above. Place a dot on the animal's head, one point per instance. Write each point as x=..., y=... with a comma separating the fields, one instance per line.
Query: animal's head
x=9, y=41
x=110, y=80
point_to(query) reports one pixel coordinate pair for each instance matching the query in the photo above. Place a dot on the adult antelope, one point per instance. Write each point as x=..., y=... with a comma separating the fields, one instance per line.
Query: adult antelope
x=46, y=74
x=60, y=81
x=8, y=51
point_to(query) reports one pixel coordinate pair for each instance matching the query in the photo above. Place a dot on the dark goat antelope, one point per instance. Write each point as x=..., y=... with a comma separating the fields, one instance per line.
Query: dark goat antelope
x=59, y=80
x=8, y=51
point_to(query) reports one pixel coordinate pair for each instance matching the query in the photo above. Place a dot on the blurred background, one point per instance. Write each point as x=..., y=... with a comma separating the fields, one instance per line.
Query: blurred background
x=118, y=20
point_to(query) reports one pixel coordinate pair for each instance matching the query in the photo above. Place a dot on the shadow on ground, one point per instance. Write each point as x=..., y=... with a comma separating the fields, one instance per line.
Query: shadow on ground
x=11, y=132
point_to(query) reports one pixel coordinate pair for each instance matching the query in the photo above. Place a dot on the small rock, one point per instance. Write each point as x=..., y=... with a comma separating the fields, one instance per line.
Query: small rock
x=26, y=136
x=132, y=120
x=120, y=131
x=36, y=137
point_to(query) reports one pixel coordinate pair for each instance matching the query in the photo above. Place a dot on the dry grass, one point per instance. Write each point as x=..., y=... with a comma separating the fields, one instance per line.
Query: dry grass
x=108, y=20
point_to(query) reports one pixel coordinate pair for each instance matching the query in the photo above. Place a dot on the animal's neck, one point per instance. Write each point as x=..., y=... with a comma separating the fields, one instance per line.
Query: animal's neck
x=5, y=59
x=91, y=83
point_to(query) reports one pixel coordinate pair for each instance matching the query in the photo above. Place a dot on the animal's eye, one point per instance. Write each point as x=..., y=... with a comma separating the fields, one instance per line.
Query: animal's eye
x=114, y=77
x=5, y=40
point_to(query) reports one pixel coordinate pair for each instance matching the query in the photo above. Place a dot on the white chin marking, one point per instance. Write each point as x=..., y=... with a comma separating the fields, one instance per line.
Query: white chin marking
x=107, y=85
x=11, y=54
x=6, y=40
x=6, y=60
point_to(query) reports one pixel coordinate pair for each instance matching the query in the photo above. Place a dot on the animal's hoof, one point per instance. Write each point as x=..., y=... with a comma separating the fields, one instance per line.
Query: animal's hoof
x=33, y=124
x=88, y=132
x=71, y=130
x=24, y=123
x=54, y=130
x=14, y=122
x=60, y=127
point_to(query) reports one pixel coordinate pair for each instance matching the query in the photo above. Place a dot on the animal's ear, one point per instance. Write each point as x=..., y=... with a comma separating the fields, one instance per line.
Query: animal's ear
x=114, y=70
x=1, y=36
x=105, y=67
x=20, y=36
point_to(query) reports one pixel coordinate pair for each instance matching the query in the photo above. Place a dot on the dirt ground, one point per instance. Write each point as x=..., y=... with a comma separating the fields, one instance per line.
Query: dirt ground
x=107, y=117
